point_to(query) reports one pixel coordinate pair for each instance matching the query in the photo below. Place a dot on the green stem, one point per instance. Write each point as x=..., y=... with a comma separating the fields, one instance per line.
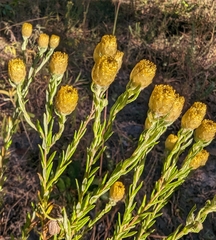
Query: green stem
x=170, y=180
x=194, y=224
x=149, y=138
x=125, y=98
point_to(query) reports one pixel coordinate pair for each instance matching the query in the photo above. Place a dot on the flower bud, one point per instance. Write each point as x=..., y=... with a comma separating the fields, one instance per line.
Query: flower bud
x=107, y=46
x=58, y=63
x=104, y=71
x=117, y=191
x=162, y=99
x=143, y=73
x=66, y=100
x=54, y=41
x=200, y=159
x=206, y=131
x=170, y=142
x=16, y=70
x=26, y=30
x=43, y=40
x=193, y=116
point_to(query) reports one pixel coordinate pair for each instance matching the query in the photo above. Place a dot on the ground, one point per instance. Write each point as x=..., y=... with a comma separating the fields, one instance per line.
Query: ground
x=178, y=36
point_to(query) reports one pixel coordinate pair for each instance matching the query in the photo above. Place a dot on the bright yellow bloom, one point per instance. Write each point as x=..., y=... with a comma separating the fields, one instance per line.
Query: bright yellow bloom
x=107, y=46
x=16, y=70
x=104, y=71
x=206, y=131
x=54, y=41
x=26, y=30
x=117, y=191
x=143, y=73
x=43, y=40
x=162, y=99
x=194, y=116
x=200, y=159
x=176, y=109
x=170, y=142
x=118, y=57
x=58, y=63
x=66, y=100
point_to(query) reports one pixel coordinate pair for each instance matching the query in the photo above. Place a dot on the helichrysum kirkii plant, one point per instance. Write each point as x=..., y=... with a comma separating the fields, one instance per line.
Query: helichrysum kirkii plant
x=165, y=107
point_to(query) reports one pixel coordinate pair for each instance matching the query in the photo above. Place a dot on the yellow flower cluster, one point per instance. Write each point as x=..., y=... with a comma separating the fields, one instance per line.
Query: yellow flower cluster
x=193, y=116
x=170, y=142
x=26, y=30
x=200, y=159
x=58, y=63
x=66, y=100
x=106, y=53
x=44, y=40
x=206, y=131
x=117, y=191
x=165, y=102
x=16, y=70
x=143, y=74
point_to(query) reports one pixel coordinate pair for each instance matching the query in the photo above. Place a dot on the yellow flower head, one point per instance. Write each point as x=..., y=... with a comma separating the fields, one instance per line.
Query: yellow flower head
x=200, y=159
x=54, y=41
x=162, y=99
x=66, y=100
x=170, y=142
x=107, y=46
x=58, y=63
x=26, y=30
x=117, y=191
x=16, y=70
x=143, y=73
x=194, y=116
x=118, y=57
x=176, y=109
x=104, y=71
x=206, y=131
x=43, y=40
